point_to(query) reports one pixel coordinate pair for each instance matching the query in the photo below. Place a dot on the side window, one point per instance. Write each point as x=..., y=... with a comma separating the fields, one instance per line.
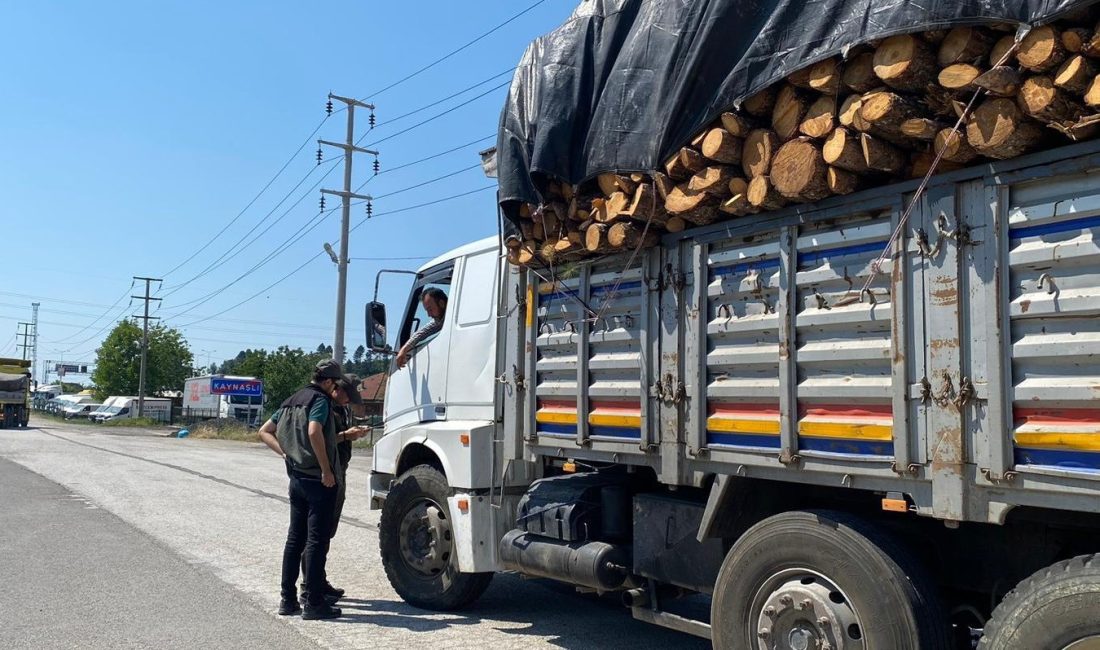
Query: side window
x=417, y=317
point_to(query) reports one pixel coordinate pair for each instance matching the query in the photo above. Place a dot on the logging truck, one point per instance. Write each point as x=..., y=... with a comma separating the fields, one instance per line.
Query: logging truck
x=15, y=394
x=866, y=422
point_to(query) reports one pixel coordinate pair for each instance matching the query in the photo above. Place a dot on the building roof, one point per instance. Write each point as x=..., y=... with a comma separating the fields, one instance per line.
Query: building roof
x=373, y=388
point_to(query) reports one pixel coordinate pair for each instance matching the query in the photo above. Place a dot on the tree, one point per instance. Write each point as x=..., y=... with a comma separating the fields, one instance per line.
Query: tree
x=357, y=358
x=118, y=361
x=285, y=371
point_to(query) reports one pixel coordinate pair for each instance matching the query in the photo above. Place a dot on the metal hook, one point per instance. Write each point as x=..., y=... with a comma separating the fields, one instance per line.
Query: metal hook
x=548, y=327
x=729, y=312
x=822, y=303
x=1048, y=279
x=753, y=278
x=870, y=296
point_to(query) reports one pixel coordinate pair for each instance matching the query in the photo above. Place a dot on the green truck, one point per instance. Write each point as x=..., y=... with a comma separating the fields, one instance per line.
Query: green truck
x=15, y=393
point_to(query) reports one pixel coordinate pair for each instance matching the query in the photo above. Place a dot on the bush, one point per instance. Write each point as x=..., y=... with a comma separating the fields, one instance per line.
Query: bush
x=223, y=429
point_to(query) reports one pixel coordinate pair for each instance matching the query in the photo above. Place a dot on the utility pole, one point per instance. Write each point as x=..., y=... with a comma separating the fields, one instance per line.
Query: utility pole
x=26, y=334
x=144, y=341
x=345, y=223
x=34, y=344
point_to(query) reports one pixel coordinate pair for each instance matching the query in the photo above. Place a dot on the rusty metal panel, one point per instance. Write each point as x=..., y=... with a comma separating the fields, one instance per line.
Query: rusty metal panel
x=948, y=451
x=1053, y=293
x=695, y=355
x=845, y=377
x=742, y=339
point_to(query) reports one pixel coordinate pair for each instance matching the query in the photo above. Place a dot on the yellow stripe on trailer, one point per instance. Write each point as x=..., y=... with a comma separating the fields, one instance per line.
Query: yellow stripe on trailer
x=846, y=431
x=555, y=418
x=618, y=421
x=732, y=425
x=1073, y=441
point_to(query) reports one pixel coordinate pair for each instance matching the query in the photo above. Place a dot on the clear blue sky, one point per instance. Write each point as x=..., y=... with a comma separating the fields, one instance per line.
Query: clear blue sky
x=132, y=132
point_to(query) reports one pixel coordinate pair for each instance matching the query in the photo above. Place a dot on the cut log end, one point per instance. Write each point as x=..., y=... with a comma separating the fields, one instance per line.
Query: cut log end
x=763, y=195
x=905, y=62
x=1041, y=49
x=999, y=130
x=760, y=146
x=722, y=146
x=799, y=172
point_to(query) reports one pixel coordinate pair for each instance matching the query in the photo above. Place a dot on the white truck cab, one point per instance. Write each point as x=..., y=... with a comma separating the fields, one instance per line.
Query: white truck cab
x=433, y=467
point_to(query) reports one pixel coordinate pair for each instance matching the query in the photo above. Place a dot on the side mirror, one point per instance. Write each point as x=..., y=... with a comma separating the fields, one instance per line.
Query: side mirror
x=376, y=327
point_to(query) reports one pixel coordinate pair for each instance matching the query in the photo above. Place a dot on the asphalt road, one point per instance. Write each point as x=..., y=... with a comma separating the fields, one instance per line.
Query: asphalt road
x=128, y=539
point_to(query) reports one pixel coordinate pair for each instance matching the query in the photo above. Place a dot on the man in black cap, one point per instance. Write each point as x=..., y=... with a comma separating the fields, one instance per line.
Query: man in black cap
x=345, y=393
x=303, y=432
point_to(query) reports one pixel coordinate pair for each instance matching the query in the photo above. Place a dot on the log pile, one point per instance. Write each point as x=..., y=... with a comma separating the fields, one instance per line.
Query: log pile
x=880, y=115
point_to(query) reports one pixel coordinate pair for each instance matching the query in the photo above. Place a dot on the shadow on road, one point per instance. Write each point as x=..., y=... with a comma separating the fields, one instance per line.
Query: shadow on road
x=544, y=609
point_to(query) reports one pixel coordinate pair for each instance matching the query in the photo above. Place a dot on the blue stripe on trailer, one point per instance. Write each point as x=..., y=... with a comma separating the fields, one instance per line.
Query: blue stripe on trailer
x=1052, y=228
x=1071, y=460
x=845, y=446
x=742, y=440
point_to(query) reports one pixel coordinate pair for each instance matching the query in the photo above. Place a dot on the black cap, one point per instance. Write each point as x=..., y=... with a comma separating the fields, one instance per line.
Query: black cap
x=350, y=385
x=329, y=369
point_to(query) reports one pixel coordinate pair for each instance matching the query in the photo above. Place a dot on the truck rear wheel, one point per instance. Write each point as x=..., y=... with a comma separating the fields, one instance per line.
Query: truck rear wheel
x=803, y=579
x=417, y=544
x=24, y=416
x=1057, y=608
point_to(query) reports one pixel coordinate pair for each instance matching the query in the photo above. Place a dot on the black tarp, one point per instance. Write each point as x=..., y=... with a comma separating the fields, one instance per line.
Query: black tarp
x=13, y=383
x=624, y=83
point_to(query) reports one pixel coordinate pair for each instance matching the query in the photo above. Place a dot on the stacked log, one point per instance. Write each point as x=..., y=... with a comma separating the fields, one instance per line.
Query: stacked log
x=890, y=111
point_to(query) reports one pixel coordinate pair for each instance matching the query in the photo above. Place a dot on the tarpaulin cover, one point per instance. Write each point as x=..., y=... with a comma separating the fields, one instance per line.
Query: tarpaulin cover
x=623, y=84
x=12, y=383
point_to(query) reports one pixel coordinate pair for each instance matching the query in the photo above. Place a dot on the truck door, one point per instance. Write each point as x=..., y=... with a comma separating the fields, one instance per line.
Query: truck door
x=423, y=381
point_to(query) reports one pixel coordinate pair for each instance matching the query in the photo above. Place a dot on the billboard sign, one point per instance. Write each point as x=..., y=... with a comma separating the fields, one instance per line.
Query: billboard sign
x=239, y=387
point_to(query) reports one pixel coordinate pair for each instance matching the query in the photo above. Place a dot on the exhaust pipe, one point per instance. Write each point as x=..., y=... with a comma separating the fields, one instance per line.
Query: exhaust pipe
x=597, y=565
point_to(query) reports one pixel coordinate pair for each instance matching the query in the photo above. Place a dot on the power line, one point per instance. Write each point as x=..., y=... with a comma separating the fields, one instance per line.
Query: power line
x=101, y=305
x=226, y=256
x=448, y=97
x=453, y=52
x=434, y=117
x=310, y=260
x=105, y=312
x=302, y=232
x=424, y=205
x=255, y=198
x=428, y=182
x=437, y=155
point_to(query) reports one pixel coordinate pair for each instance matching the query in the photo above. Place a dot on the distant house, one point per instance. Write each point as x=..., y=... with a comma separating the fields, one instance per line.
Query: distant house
x=373, y=391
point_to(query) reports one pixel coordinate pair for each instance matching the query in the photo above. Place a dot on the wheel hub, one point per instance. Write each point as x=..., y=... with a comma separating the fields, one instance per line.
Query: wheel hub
x=1090, y=643
x=804, y=611
x=426, y=540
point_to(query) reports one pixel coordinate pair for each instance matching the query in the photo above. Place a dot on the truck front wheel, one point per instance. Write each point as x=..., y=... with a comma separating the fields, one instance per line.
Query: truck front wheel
x=417, y=544
x=1058, y=608
x=818, y=579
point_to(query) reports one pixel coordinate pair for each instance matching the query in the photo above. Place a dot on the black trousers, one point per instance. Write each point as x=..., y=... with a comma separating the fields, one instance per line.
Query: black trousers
x=311, y=509
x=341, y=494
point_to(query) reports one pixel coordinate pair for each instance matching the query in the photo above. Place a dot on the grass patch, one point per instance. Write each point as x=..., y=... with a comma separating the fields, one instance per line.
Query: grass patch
x=132, y=422
x=223, y=430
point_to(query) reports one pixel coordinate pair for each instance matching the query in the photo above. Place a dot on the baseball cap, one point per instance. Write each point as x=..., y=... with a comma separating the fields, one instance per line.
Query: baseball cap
x=350, y=385
x=329, y=369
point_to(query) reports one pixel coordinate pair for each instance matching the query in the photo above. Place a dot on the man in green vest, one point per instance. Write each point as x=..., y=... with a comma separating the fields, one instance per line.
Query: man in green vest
x=303, y=432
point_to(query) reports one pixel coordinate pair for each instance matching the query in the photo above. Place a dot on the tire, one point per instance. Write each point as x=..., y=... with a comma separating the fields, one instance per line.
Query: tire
x=1055, y=608
x=424, y=573
x=824, y=576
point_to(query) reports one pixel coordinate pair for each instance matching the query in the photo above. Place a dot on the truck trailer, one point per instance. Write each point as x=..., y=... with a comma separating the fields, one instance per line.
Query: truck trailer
x=15, y=393
x=199, y=401
x=732, y=414
x=758, y=329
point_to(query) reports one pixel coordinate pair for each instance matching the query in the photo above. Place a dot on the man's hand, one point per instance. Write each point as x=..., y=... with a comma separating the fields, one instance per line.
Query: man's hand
x=402, y=358
x=328, y=479
x=354, y=434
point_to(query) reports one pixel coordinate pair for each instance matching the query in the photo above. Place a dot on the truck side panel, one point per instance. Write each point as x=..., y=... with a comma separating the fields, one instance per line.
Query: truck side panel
x=965, y=376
